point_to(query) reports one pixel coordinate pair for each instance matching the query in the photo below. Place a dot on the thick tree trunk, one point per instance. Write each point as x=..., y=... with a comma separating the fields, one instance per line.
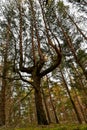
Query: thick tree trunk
x=41, y=116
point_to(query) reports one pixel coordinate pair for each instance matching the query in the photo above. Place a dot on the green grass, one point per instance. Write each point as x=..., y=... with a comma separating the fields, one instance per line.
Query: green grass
x=51, y=127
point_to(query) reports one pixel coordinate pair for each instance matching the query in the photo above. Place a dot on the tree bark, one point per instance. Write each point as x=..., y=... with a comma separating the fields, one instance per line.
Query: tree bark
x=45, y=103
x=80, y=110
x=55, y=115
x=4, y=80
x=73, y=104
x=69, y=43
x=41, y=116
x=2, y=105
x=35, y=70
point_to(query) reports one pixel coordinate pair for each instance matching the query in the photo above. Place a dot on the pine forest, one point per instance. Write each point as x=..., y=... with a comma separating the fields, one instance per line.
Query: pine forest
x=43, y=65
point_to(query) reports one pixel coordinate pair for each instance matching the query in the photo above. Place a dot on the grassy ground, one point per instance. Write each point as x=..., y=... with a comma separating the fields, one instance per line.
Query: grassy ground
x=51, y=127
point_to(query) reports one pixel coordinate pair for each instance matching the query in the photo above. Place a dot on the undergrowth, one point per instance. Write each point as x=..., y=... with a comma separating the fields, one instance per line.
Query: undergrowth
x=51, y=127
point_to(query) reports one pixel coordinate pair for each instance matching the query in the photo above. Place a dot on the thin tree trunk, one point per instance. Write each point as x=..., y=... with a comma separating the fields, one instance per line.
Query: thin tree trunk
x=4, y=80
x=76, y=25
x=30, y=111
x=80, y=81
x=2, y=104
x=20, y=34
x=55, y=115
x=74, y=106
x=69, y=43
x=47, y=111
x=80, y=107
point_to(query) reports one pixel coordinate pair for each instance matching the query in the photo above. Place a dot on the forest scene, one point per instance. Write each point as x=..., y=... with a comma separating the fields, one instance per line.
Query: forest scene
x=43, y=64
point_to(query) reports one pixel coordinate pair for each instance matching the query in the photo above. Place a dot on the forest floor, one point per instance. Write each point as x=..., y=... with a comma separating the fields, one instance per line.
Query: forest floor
x=51, y=127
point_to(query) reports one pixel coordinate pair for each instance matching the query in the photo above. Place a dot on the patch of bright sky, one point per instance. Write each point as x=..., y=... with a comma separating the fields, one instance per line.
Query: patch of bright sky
x=74, y=11
x=77, y=14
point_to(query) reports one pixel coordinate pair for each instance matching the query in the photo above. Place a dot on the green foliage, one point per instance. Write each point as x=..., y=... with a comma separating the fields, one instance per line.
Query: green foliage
x=61, y=8
x=82, y=55
x=52, y=127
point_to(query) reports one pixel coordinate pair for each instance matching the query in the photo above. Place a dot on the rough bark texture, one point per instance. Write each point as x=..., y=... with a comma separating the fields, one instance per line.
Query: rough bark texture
x=41, y=116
